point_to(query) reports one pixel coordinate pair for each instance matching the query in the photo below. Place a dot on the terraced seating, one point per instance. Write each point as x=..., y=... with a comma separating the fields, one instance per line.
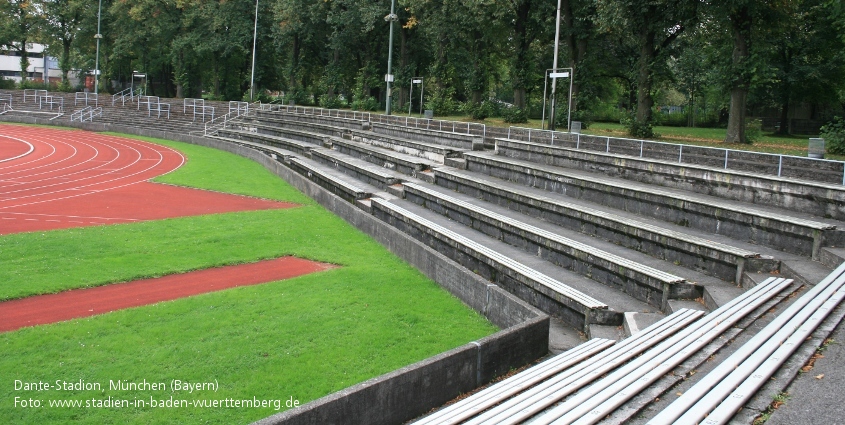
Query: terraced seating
x=361, y=170
x=637, y=280
x=340, y=122
x=400, y=162
x=430, y=151
x=444, y=138
x=527, y=393
x=788, y=233
x=705, y=255
x=723, y=391
x=323, y=129
x=302, y=148
x=581, y=309
x=821, y=199
x=330, y=180
x=610, y=391
x=287, y=133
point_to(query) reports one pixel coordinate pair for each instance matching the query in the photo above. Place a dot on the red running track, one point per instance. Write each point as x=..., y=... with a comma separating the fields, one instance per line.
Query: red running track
x=54, y=179
x=43, y=309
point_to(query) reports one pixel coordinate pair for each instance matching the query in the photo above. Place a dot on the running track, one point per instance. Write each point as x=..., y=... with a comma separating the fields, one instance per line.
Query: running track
x=53, y=179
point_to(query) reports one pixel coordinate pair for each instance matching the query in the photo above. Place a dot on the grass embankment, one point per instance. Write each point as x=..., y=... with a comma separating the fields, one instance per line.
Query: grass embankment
x=300, y=338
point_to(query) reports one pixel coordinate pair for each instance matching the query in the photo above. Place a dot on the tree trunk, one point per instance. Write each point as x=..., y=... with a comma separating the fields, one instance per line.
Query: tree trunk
x=65, y=60
x=741, y=26
x=24, y=61
x=521, y=62
x=644, y=77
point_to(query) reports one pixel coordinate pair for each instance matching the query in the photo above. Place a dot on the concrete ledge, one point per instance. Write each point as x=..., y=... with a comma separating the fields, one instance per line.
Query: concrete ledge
x=445, y=138
x=821, y=199
x=432, y=152
x=370, y=174
x=790, y=234
x=315, y=119
x=292, y=124
x=395, y=161
x=301, y=148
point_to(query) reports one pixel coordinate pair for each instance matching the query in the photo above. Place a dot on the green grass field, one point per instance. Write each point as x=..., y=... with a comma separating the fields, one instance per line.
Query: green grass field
x=300, y=338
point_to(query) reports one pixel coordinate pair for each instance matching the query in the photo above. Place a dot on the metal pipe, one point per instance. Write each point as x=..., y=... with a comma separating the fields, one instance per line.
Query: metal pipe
x=254, y=38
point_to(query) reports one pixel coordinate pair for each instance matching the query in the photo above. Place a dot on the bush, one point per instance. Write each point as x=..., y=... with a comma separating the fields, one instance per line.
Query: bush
x=753, y=131
x=476, y=111
x=366, y=104
x=331, y=102
x=514, y=115
x=833, y=134
x=6, y=84
x=639, y=129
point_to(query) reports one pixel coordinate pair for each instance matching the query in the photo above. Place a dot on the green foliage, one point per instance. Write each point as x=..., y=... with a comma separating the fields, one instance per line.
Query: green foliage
x=6, y=84
x=441, y=100
x=753, y=131
x=833, y=134
x=514, y=115
x=331, y=102
x=638, y=129
x=366, y=104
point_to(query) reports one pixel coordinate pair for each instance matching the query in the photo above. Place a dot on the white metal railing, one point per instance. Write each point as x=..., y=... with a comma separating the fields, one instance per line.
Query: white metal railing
x=241, y=108
x=460, y=127
x=335, y=113
x=34, y=94
x=644, y=146
x=6, y=108
x=122, y=95
x=157, y=107
x=6, y=98
x=86, y=97
x=78, y=114
x=192, y=103
x=147, y=100
x=203, y=111
x=221, y=121
x=52, y=101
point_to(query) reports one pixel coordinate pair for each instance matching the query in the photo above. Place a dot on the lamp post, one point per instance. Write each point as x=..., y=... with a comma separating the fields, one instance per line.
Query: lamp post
x=554, y=66
x=254, y=38
x=389, y=77
x=98, y=36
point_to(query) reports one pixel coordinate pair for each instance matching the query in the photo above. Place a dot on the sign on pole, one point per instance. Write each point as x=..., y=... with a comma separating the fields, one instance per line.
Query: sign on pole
x=559, y=75
x=388, y=78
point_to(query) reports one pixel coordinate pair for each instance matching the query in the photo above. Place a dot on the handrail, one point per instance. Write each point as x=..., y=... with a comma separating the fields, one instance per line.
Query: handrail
x=6, y=97
x=78, y=114
x=210, y=126
x=121, y=95
x=644, y=144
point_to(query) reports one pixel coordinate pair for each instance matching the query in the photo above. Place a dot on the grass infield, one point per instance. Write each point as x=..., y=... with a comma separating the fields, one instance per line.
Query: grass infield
x=297, y=339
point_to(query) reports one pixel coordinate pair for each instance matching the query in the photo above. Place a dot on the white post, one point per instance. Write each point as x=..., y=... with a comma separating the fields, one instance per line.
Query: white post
x=254, y=38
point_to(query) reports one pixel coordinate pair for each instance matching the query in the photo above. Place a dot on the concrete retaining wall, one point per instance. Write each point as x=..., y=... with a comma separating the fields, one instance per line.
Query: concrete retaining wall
x=404, y=394
x=461, y=141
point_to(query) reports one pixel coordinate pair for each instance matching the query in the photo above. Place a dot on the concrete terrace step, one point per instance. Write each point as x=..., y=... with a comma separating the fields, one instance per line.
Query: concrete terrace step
x=339, y=122
x=763, y=226
x=444, y=138
x=430, y=151
x=819, y=199
x=286, y=133
x=279, y=154
x=405, y=164
x=360, y=169
x=323, y=129
x=332, y=180
x=697, y=253
x=302, y=148
x=579, y=301
x=637, y=280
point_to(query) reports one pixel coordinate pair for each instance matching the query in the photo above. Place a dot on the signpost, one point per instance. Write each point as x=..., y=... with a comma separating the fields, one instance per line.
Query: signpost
x=554, y=74
x=416, y=80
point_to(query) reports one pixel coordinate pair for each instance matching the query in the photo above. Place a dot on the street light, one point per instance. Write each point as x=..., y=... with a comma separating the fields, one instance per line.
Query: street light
x=254, y=37
x=554, y=66
x=98, y=36
x=389, y=77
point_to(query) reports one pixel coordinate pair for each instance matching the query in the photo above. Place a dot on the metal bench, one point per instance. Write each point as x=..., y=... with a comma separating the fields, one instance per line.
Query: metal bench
x=723, y=391
x=576, y=300
x=626, y=269
x=586, y=360
x=598, y=400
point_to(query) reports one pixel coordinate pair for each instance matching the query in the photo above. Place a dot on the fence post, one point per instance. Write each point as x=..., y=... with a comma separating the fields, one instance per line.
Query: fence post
x=726, y=158
x=641, y=148
x=553, y=139
x=607, y=147
x=680, y=154
x=509, y=135
x=780, y=164
x=529, y=135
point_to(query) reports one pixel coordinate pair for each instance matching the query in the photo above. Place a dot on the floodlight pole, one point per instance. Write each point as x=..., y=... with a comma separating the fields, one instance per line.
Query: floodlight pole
x=392, y=18
x=254, y=38
x=98, y=36
x=554, y=66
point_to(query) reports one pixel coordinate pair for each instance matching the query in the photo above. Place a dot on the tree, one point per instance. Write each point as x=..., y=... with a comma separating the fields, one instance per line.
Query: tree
x=62, y=19
x=23, y=21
